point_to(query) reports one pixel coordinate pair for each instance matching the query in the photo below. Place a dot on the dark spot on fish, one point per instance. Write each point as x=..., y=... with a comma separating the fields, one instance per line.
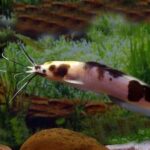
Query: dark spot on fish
x=52, y=68
x=44, y=71
x=102, y=68
x=37, y=67
x=115, y=73
x=61, y=71
x=94, y=64
x=110, y=79
x=135, y=91
x=100, y=73
x=147, y=93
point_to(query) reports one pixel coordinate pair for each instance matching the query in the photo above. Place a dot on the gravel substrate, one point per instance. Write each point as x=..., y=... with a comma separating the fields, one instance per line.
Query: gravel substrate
x=131, y=146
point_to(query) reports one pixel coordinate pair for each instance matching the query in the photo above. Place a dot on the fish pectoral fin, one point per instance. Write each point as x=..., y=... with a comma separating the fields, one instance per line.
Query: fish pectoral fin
x=131, y=106
x=74, y=81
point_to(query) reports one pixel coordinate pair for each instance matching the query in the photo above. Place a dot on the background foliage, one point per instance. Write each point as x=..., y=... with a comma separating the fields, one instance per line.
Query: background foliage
x=110, y=40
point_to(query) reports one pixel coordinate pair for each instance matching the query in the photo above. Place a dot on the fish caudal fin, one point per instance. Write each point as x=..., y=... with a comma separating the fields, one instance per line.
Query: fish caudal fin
x=131, y=106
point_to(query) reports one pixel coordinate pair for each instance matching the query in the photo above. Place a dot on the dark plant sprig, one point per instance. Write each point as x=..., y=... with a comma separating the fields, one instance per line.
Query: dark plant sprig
x=6, y=7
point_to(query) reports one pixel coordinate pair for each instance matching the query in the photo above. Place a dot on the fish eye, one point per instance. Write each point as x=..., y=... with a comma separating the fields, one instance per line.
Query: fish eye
x=44, y=71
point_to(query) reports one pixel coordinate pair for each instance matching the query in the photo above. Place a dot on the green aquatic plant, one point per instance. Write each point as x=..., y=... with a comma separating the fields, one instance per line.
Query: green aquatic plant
x=13, y=130
x=6, y=35
x=112, y=127
x=6, y=7
x=12, y=125
x=116, y=126
x=138, y=57
x=129, y=2
x=74, y=1
x=33, y=2
x=116, y=45
x=31, y=42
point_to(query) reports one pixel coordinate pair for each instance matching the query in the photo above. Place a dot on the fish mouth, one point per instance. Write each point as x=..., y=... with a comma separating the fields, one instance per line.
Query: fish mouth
x=34, y=70
x=31, y=70
x=41, y=74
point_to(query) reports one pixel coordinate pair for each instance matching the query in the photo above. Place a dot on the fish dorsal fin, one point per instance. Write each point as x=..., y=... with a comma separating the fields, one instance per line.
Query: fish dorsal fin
x=131, y=107
x=77, y=82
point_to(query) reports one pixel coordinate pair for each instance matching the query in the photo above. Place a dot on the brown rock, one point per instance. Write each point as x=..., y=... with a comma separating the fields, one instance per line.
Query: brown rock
x=96, y=108
x=61, y=139
x=3, y=147
x=53, y=108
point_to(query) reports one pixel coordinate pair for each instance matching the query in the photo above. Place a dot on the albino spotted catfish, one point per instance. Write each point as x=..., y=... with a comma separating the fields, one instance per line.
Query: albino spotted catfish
x=123, y=89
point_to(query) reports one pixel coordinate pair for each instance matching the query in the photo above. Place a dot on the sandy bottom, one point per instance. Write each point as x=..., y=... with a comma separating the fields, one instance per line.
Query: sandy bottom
x=131, y=146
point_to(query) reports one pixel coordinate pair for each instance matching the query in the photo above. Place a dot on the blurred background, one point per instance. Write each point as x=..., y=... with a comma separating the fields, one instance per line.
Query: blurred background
x=113, y=32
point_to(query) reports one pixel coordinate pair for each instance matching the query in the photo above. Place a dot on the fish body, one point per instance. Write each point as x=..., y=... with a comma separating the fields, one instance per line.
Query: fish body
x=125, y=90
